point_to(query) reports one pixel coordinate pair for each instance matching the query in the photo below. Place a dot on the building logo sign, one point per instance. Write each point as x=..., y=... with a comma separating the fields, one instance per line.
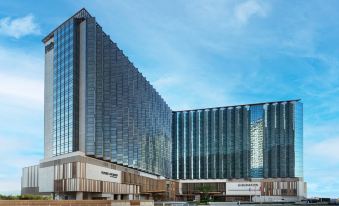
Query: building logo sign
x=243, y=188
x=249, y=185
x=111, y=174
x=95, y=172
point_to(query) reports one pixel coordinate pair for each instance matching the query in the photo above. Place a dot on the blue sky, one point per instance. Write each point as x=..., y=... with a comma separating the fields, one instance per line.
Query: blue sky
x=197, y=53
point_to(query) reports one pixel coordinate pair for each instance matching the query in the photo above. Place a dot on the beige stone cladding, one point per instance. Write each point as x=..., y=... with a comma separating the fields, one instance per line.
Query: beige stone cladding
x=30, y=180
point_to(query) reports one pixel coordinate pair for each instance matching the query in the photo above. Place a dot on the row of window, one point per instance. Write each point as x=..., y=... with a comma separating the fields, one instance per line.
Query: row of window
x=139, y=117
x=225, y=140
x=63, y=90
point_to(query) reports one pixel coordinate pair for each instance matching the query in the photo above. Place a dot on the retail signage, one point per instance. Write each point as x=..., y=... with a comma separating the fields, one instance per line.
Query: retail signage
x=243, y=188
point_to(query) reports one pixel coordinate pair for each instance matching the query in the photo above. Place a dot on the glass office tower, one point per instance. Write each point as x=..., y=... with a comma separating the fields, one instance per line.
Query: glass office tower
x=246, y=141
x=97, y=102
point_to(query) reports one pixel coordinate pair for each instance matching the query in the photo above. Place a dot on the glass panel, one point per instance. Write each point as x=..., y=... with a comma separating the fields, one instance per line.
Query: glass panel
x=256, y=138
x=62, y=89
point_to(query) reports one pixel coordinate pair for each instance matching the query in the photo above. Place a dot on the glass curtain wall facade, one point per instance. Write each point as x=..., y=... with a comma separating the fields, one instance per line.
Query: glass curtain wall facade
x=246, y=141
x=102, y=105
x=298, y=140
x=97, y=102
x=65, y=86
x=127, y=120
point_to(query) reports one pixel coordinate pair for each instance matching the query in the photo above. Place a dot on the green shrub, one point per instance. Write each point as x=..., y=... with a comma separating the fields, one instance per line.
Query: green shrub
x=24, y=197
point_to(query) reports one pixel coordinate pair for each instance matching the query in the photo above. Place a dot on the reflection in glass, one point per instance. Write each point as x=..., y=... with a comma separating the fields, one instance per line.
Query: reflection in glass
x=256, y=139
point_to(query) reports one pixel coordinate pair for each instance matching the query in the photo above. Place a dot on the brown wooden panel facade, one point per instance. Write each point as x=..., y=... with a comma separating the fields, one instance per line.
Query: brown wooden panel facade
x=151, y=186
x=279, y=188
x=87, y=185
x=70, y=176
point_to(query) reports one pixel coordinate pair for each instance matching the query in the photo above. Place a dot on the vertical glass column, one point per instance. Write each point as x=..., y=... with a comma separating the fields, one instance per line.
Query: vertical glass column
x=202, y=137
x=298, y=140
x=63, y=89
x=245, y=142
x=256, y=139
x=267, y=141
x=238, y=142
x=220, y=144
x=230, y=143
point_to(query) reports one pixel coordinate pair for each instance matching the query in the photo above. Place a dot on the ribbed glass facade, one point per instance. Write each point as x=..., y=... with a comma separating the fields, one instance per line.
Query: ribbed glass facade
x=256, y=140
x=246, y=141
x=64, y=90
x=127, y=120
x=63, y=43
x=298, y=140
x=102, y=105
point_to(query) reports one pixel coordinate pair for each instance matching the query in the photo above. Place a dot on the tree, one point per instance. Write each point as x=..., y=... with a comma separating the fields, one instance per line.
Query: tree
x=204, y=190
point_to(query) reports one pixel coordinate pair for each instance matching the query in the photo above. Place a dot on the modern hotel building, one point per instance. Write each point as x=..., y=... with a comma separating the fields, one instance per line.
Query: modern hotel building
x=244, y=141
x=109, y=135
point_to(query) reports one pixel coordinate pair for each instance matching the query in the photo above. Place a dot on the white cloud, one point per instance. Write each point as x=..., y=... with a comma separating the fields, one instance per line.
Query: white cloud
x=21, y=89
x=19, y=27
x=244, y=11
x=21, y=119
x=23, y=62
x=166, y=81
x=326, y=150
x=21, y=82
x=24, y=152
x=10, y=186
